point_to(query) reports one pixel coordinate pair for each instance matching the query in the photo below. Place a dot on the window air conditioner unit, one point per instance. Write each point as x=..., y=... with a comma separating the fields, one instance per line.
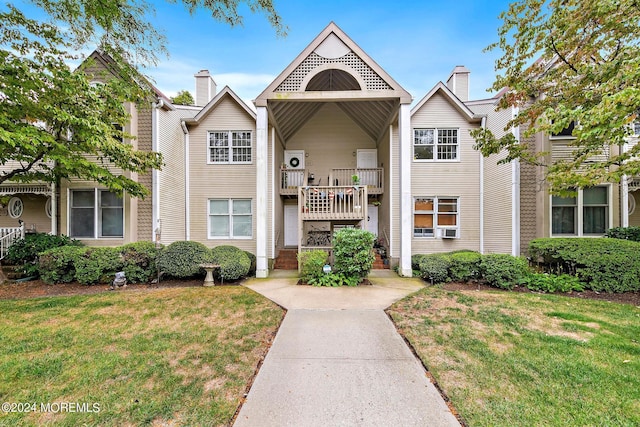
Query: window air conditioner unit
x=449, y=233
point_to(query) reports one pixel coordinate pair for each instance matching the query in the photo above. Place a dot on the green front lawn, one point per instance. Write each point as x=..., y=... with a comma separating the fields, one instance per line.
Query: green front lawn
x=522, y=359
x=178, y=356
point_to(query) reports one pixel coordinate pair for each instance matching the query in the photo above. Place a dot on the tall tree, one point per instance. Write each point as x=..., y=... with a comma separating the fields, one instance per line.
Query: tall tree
x=570, y=62
x=183, y=97
x=54, y=123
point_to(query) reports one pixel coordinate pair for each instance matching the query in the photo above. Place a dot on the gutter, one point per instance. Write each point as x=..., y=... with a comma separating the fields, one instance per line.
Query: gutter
x=187, y=209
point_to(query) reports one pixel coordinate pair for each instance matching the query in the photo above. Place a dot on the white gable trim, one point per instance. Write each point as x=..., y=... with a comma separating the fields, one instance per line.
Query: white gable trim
x=211, y=105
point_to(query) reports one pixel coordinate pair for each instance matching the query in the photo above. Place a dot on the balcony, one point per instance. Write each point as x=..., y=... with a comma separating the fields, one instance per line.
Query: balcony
x=371, y=178
x=333, y=202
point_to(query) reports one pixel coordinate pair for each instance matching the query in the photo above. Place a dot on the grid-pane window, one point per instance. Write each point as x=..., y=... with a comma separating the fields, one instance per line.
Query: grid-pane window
x=432, y=212
x=89, y=208
x=435, y=144
x=447, y=144
x=230, y=218
x=594, y=210
x=564, y=212
x=230, y=147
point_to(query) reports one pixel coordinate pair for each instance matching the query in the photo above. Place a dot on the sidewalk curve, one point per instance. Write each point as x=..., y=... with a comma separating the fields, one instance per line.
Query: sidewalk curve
x=337, y=360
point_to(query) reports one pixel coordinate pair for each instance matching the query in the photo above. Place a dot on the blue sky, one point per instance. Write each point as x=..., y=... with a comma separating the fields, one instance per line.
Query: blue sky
x=417, y=42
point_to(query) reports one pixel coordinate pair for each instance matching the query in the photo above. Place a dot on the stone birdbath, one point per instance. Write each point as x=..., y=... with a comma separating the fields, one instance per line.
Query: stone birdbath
x=209, y=268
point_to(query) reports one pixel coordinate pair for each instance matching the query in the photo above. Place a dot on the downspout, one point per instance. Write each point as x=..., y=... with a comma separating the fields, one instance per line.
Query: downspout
x=155, y=184
x=54, y=210
x=515, y=194
x=483, y=125
x=187, y=202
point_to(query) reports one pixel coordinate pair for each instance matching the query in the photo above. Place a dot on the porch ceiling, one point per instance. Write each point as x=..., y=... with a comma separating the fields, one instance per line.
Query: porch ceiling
x=373, y=116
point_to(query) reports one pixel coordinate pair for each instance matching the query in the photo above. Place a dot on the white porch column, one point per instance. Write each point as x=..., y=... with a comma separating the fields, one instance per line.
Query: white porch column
x=406, y=202
x=54, y=210
x=262, y=175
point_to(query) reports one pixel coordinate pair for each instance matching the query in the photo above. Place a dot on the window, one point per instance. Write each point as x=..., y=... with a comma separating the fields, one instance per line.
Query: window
x=430, y=213
x=585, y=214
x=565, y=133
x=230, y=147
x=15, y=207
x=95, y=214
x=230, y=219
x=426, y=146
x=636, y=128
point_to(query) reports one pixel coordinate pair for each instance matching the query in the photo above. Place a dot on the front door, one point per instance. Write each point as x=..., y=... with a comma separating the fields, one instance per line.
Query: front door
x=368, y=159
x=372, y=220
x=291, y=226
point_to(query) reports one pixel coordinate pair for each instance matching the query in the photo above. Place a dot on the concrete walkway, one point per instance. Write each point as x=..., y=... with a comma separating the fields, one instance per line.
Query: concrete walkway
x=337, y=360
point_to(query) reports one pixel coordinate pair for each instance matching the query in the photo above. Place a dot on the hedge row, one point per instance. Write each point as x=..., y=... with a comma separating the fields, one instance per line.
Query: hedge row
x=92, y=265
x=625, y=233
x=25, y=251
x=611, y=265
x=499, y=270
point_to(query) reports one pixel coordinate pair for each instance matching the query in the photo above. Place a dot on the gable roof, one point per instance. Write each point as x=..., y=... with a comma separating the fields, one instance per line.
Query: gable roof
x=331, y=36
x=451, y=98
x=215, y=101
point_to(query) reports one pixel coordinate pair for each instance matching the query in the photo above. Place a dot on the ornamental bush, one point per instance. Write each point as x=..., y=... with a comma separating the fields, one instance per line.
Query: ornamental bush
x=544, y=282
x=252, y=266
x=502, y=270
x=465, y=266
x=25, y=251
x=98, y=265
x=434, y=268
x=611, y=265
x=182, y=259
x=139, y=261
x=625, y=233
x=311, y=263
x=57, y=265
x=353, y=252
x=234, y=262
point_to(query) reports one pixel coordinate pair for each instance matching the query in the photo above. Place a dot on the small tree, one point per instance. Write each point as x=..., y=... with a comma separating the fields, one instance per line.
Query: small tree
x=353, y=252
x=183, y=97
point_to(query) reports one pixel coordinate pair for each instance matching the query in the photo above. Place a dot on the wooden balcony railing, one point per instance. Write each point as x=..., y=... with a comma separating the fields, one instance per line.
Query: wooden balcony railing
x=333, y=203
x=291, y=179
x=8, y=235
x=372, y=178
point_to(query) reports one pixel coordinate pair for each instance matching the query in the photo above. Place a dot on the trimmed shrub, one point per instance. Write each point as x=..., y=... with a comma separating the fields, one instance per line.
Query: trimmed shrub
x=311, y=263
x=465, y=266
x=353, y=252
x=139, y=261
x=543, y=282
x=625, y=233
x=415, y=261
x=57, y=265
x=611, y=265
x=98, y=265
x=234, y=262
x=434, y=268
x=182, y=259
x=25, y=251
x=252, y=265
x=502, y=270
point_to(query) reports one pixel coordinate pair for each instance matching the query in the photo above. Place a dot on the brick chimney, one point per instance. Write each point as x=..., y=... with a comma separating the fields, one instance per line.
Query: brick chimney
x=205, y=88
x=458, y=82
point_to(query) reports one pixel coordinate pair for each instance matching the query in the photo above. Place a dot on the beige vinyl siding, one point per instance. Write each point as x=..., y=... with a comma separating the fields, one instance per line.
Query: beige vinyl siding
x=330, y=139
x=220, y=181
x=172, y=184
x=394, y=185
x=498, y=190
x=448, y=179
x=33, y=214
x=384, y=210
